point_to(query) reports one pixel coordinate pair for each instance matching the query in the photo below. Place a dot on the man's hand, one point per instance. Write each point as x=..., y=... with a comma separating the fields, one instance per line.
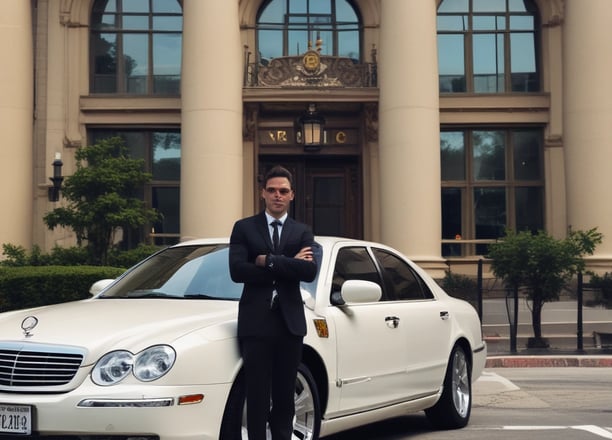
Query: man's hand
x=304, y=254
x=260, y=260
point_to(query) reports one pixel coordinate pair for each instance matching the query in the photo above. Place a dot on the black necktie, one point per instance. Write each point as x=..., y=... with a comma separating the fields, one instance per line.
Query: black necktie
x=275, y=237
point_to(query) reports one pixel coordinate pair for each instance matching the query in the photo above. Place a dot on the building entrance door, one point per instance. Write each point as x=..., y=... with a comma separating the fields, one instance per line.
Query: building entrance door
x=327, y=193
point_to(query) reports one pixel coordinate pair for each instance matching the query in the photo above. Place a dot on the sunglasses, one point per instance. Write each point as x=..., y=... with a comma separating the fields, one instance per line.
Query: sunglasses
x=281, y=191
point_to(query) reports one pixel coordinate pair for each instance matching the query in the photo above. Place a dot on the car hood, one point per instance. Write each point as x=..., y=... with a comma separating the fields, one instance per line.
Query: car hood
x=101, y=325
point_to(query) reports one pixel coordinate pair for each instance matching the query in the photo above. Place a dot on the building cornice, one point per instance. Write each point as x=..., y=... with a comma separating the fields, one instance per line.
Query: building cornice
x=494, y=109
x=362, y=95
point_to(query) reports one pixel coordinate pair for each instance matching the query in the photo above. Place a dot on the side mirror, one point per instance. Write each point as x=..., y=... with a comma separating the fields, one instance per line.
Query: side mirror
x=99, y=286
x=356, y=292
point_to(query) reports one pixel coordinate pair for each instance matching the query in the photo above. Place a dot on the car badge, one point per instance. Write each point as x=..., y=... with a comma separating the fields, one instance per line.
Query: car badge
x=28, y=324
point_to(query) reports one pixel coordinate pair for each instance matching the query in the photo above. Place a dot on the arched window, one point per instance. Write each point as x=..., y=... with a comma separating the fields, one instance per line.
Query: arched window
x=285, y=28
x=488, y=46
x=136, y=47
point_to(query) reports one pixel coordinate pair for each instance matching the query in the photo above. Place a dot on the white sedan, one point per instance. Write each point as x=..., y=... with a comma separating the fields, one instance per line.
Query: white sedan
x=154, y=355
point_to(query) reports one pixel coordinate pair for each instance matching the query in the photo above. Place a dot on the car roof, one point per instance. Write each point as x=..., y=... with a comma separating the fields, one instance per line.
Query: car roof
x=323, y=240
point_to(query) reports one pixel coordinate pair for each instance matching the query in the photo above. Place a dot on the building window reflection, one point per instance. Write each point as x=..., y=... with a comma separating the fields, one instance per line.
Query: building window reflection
x=285, y=28
x=491, y=180
x=488, y=46
x=136, y=47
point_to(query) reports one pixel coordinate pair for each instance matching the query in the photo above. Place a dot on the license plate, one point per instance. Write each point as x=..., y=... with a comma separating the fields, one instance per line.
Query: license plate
x=15, y=419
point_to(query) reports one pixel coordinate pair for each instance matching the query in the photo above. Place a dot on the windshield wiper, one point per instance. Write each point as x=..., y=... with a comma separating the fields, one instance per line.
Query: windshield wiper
x=204, y=296
x=149, y=294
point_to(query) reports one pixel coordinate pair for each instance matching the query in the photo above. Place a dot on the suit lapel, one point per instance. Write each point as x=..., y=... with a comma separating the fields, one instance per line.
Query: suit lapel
x=262, y=227
x=287, y=229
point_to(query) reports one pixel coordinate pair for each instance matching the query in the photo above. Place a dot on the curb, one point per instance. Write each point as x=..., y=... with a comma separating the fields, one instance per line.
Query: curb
x=547, y=361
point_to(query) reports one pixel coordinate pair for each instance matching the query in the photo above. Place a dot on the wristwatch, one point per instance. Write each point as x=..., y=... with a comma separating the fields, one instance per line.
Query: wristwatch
x=269, y=261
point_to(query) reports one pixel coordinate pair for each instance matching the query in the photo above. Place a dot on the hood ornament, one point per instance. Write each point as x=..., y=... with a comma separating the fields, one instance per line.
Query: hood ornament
x=28, y=325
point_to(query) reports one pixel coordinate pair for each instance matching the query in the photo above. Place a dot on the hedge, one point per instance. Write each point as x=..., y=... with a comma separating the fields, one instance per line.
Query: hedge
x=33, y=286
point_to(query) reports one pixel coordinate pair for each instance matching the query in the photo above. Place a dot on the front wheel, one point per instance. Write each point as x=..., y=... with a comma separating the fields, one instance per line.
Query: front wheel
x=453, y=409
x=307, y=422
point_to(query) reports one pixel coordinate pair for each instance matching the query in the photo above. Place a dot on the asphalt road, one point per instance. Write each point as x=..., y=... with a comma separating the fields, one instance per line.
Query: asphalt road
x=511, y=403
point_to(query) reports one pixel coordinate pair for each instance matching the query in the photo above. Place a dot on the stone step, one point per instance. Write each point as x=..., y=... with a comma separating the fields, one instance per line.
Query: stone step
x=561, y=343
x=557, y=328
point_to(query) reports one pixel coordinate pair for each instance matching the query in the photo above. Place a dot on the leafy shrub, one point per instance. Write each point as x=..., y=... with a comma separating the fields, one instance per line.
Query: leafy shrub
x=132, y=256
x=33, y=278
x=33, y=286
x=71, y=256
x=541, y=264
x=16, y=256
x=460, y=286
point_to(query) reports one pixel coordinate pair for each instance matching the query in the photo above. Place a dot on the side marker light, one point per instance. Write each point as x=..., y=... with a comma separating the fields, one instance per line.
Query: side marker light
x=321, y=327
x=191, y=399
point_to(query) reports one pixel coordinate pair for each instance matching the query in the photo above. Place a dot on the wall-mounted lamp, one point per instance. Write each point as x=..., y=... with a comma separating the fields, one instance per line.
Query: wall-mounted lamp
x=310, y=130
x=57, y=179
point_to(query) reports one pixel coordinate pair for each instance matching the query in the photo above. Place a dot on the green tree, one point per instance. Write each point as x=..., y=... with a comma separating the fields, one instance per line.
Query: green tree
x=541, y=265
x=102, y=197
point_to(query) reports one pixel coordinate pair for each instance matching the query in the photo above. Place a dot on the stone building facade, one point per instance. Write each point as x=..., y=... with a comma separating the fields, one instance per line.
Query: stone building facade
x=444, y=121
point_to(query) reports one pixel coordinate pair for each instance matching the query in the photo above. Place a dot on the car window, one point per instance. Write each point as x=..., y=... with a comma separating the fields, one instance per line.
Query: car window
x=199, y=272
x=354, y=263
x=311, y=287
x=400, y=280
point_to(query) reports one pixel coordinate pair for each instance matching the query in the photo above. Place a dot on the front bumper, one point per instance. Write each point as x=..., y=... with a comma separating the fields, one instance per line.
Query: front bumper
x=479, y=359
x=127, y=410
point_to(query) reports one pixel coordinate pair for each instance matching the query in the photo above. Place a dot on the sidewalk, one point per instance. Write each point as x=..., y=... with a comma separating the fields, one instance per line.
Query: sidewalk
x=530, y=358
x=559, y=327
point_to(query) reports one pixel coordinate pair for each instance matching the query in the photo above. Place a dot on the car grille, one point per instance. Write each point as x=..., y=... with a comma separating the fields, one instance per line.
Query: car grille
x=40, y=367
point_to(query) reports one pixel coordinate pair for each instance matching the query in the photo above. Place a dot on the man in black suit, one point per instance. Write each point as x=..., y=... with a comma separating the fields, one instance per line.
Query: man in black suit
x=271, y=322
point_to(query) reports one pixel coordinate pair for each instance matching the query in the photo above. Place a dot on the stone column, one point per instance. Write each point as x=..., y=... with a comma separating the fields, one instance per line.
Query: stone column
x=16, y=122
x=211, y=119
x=587, y=117
x=409, y=133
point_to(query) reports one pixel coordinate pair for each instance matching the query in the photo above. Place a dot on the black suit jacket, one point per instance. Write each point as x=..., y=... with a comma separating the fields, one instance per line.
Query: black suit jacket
x=250, y=238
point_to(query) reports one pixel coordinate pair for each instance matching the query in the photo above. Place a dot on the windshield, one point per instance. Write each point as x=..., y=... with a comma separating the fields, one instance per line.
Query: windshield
x=193, y=272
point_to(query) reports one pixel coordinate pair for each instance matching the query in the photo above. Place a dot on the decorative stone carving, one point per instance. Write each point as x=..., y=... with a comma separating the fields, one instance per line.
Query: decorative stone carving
x=313, y=70
x=556, y=14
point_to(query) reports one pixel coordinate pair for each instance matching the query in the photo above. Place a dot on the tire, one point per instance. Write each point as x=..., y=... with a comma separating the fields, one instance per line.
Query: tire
x=307, y=409
x=453, y=409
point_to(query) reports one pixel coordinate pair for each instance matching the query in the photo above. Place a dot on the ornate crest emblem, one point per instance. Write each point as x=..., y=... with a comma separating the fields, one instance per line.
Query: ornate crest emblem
x=28, y=324
x=311, y=61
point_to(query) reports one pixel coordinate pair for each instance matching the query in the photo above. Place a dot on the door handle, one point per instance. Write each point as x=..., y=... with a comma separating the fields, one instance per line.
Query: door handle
x=444, y=315
x=392, y=321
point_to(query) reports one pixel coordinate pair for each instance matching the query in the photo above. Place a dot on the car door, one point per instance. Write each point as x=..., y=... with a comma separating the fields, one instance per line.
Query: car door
x=371, y=359
x=423, y=324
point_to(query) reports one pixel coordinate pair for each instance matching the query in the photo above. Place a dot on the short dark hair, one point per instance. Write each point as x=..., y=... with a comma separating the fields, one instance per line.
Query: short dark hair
x=278, y=171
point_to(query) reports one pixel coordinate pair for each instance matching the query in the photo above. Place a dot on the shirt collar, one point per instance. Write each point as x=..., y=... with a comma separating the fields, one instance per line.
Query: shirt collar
x=270, y=219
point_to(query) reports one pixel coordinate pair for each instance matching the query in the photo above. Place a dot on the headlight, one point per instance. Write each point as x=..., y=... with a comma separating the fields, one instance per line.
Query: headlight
x=148, y=365
x=112, y=367
x=154, y=362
